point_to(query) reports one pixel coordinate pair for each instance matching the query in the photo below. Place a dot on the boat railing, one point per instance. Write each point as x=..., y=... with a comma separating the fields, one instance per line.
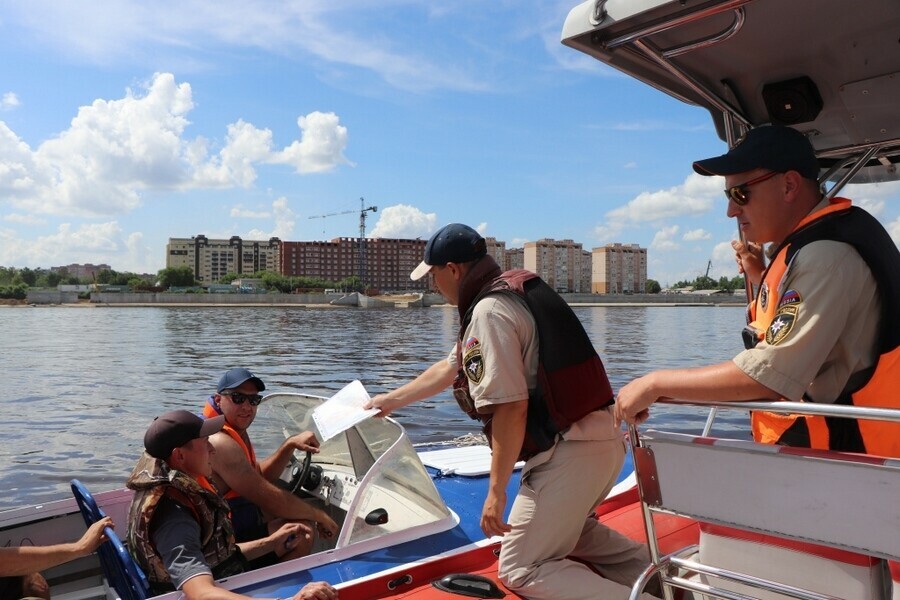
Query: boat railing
x=841, y=501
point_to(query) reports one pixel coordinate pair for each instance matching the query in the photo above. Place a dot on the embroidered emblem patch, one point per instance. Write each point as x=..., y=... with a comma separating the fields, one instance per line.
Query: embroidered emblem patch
x=790, y=297
x=473, y=364
x=782, y=324
x=764, y=296
x=471, y=343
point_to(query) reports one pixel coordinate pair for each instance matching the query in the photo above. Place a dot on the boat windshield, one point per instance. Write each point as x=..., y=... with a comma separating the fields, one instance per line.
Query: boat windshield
x=370, y=466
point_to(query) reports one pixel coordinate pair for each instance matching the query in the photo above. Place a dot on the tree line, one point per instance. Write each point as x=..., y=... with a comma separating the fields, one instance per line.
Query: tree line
x=15, y=282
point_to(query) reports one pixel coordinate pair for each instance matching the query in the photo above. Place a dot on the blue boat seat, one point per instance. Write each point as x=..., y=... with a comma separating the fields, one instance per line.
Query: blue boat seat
x=120, y=569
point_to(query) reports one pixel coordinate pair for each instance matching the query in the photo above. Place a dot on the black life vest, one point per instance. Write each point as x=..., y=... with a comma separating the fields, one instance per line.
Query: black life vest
x=571, y=379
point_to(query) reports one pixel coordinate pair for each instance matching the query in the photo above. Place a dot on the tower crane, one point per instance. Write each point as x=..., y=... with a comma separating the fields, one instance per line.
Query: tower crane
x=363, y=209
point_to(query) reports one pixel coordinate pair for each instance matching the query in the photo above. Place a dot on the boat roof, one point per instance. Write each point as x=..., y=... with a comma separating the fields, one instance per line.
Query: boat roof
x=829, y=68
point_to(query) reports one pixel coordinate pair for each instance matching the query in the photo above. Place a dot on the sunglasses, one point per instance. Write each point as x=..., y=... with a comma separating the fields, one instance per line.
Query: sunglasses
x=238, y=398
x=739, y=193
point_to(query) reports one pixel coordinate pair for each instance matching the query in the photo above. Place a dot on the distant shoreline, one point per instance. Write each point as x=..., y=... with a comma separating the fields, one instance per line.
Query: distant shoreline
x=113, y=300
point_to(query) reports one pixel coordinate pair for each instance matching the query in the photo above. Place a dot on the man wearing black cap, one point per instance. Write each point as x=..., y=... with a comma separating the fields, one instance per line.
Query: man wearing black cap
x=258, y=506
x=524, y=366
x=179, y=530
x=825, y=313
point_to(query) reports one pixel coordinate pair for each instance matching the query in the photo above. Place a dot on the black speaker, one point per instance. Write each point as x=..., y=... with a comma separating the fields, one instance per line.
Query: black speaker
x=792, y=101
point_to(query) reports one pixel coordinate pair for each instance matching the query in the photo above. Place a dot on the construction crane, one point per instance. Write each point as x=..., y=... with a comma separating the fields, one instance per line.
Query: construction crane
x=708, y=267
x=363, y=209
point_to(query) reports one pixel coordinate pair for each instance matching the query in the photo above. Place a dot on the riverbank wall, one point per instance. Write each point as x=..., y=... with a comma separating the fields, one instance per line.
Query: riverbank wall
x=111, y=299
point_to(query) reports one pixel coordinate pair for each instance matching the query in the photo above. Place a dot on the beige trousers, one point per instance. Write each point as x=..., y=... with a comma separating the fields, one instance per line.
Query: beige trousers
x=550, y=523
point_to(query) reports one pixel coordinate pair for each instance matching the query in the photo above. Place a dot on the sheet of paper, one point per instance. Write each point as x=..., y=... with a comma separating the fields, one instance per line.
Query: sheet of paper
x=343, y=410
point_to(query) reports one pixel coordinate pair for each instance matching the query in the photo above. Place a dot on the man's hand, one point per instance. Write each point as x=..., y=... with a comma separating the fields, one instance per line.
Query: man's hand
x=749, y=257
x=305, y=442
x=94, y=536
x=317, y=590
x=634, y=400
x=326, y=525
x=289, y=535
x=492, y=522
x=383, y=402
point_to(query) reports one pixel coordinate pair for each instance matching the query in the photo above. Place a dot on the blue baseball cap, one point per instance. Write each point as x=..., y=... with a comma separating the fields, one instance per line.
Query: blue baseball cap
x=773, y=147
x=456, y=243
x=233, y=378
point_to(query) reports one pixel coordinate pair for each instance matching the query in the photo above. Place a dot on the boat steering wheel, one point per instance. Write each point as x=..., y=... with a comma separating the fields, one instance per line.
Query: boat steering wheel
x=300, y=472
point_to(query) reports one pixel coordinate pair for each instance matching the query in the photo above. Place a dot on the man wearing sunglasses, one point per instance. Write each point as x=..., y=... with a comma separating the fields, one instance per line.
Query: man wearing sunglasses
x=824, y=325
x=258, y=506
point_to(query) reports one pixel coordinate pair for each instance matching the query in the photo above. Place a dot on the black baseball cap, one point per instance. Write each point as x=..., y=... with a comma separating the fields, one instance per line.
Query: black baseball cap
x=456, y=243
x=233, y=378
x=773, y=147
x=175, y=429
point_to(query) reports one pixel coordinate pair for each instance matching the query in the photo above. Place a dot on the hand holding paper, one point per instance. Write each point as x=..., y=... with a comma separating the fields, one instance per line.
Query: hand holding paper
x=343, y=410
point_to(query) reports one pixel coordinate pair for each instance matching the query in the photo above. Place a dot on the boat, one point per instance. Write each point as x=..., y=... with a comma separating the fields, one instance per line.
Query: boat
x=398, y=507
x=723, y=518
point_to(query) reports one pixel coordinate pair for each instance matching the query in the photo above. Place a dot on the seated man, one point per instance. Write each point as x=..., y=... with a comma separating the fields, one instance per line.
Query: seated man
x=178, y=525
x=20, y=565
x=258, y=506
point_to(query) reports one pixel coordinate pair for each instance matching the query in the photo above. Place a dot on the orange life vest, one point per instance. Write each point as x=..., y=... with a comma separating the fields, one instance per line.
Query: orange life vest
x=209, y=411
x=875, y=388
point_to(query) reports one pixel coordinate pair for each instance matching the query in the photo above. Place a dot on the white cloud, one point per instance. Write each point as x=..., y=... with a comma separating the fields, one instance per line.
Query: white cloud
x=241, y=213
x=337, y=40
x=9, y=101
x=695, y=235
x=630, y=165
x=694, y=197
x=114, y=150
x=94, y=243
x=481, y=228
x=723, y=261
x=663, y=240
x=23, y=219
x=404, y=221
x=608, y=232
x=284, y=219
x=321, y=145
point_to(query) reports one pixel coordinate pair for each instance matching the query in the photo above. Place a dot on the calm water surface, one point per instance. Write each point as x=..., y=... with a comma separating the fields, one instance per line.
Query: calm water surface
x=82, y=384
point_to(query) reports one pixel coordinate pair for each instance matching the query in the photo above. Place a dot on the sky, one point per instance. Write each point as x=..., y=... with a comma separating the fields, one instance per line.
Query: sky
x=124, y=123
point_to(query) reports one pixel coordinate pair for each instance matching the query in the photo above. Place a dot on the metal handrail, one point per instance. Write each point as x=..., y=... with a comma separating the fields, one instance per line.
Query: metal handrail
x=807, y=408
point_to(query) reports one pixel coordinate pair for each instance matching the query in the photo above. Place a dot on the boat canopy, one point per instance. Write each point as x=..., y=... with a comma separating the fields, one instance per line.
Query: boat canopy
x=829, y=68
x=372, y=466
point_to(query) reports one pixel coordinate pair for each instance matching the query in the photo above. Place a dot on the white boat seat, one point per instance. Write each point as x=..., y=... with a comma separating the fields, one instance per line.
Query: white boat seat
x=808, y=566
x=818, y=520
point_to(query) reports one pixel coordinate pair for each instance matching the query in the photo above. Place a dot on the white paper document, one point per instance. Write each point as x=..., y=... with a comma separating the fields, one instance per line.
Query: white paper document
x=343, y=410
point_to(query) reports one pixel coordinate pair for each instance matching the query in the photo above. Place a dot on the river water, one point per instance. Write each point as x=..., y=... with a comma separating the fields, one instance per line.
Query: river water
x=82, y=384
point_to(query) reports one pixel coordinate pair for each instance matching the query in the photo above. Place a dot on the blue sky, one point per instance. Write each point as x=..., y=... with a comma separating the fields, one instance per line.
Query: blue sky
x=125, y=123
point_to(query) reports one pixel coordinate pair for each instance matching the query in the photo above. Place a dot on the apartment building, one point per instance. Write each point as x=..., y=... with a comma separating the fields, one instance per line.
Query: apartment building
x=619, y=269
x=557, y=262
x=514, y=258
x=211, y=259
x=387, y=265
x=495, y=249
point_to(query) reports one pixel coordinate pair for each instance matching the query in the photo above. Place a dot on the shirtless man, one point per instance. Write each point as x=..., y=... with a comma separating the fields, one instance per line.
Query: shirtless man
x=258, y=506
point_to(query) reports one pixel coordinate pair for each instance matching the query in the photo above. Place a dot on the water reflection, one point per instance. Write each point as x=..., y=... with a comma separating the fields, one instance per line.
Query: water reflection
x=84, y=383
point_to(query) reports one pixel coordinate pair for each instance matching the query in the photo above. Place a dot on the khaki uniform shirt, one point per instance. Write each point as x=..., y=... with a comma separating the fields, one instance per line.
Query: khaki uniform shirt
x=834, y=332
x=500, y=352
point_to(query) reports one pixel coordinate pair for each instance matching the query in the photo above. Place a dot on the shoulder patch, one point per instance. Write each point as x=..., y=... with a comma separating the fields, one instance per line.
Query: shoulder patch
x=473, y=364
x=471, y=343
x=782, y=324
x=790, y=297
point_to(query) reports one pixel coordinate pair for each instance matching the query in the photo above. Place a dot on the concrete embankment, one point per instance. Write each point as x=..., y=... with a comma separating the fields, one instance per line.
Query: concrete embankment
x=110, y=299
